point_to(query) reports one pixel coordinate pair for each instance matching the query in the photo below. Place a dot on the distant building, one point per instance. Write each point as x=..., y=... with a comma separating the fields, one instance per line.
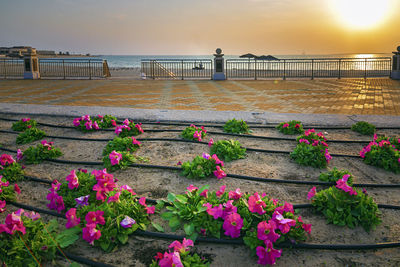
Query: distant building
x=46, y=52
x=15, y=51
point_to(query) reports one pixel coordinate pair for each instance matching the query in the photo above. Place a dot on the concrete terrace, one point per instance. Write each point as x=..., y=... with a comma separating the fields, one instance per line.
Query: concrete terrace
x=380, y=96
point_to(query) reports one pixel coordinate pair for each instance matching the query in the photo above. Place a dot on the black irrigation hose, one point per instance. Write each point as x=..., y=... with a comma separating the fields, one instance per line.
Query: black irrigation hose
x=240, y=241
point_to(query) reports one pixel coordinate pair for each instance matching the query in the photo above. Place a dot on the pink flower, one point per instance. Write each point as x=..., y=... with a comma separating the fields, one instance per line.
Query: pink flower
x=285, y=125
x=6, y=159
x=135, y=142
x=216, y=212
x=206, y=156
x=88, y=125
x=311, y=193
x=219, y=173
x=217, y=160
x=32, y=215
x=13, y=223
x=328, y=157
x=20, y=155
x=282, y=223
x=179, y=163
x=297, y=126
x=302, y=140
x=181, y=247
x=115, y=157
x=266, y=231
x=113, y=123
x=150, y=210
x=267, y=255
x=142, y=201
x=307, y=228
x=210, y=144
x=2, y=206
x=114, y=198
x=77, y=122
x=17, y=189
x=256, y=205
x=127, y=222
x=221, y=191
x=96, y=126
x=47, y=144
x=232, y=225
x=191, y=188
x=287, y=207
x=73, y=180
x=342, y=184
x=228, y=209
x=139, y=128
x=72, y=219
x=204, y=193
x=128, y=188
x=197, y=135
x=86, y=117
x=235, y=194
x=171, y=260
x=56, y=202
x=105, y=184
x=25, y=119
x=95, y=217
x=126, y=122
x=90, y=233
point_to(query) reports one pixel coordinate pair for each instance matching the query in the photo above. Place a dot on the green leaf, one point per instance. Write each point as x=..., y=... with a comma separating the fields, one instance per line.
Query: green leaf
x=181, y=198
x=68, y=237
x=158, y=227
x=171, y=197
x=104, y=245
x=74, y=264
x=122, y=238
x=205, y=187
x=189, y=229
x=167, y=215
x=174, y=223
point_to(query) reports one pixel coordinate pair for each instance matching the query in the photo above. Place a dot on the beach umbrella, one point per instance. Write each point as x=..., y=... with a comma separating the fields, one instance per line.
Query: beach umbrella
x=248, y=55
x=269, y=57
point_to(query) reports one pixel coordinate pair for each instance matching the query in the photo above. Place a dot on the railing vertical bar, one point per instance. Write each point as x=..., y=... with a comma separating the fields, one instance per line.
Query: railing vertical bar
x=284, y=69
x=90, y=71
x=340, y=64
x=312, y=69
x=365, y=73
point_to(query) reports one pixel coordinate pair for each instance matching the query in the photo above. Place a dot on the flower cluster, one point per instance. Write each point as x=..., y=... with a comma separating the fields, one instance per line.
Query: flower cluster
x=342, y=184
x=41, y=152
x=178, y=254
x=228, y=150
x=105, y=212
x=7, y=193
x=382, y=152
x=30, y=135
x=23, y=124
x=290, y=127
x=261, y=221
x=311, y=150
x=194, y=133
x=236, y=126
x=128, y=128
x=364, y=128
x=204, y=166
x=13, y=223
x=334, y=175
x=87, y=123
x=11, y=169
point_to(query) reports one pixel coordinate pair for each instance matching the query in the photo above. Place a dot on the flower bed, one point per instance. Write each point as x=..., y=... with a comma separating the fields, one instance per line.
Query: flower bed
x=260, y=220
x=203, y=167
x=30, y=135
x=41, y=152
x=23, y=124
x=228, y=150
x=334, y=175
x=128, y=129
x=290, y=127
x=236, y=126
x=194, y=133
x=382, y=152
x=88, y=124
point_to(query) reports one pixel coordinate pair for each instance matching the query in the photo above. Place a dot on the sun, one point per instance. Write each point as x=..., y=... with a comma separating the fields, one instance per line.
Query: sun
x=361, y=14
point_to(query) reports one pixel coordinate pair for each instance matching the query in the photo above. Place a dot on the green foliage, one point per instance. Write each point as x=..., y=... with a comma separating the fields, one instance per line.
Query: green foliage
x=188, y=132
x=12, y=172
x=334, y=175
x=199, y=168
x=35, y=155
x=291, y=127
x=39, y=238
x=311, y=136
x=228, y=150
x=382, y=155
x=30, y=135
x=127, y=159
x=236, y=126
x=363, y=127
x=120, y=144
x=103, y=122
x=309, y=155
x=21, y=126
x=7, y=192
x=341, y=208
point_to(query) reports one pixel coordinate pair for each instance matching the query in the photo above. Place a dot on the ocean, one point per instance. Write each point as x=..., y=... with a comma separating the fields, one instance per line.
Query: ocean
x=133, y=61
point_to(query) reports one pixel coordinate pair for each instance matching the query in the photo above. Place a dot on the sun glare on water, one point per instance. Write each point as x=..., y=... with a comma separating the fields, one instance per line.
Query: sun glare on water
x=361, y=14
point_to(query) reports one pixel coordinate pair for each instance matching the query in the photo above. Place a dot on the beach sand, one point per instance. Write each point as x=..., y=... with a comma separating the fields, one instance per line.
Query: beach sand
x=125, y=73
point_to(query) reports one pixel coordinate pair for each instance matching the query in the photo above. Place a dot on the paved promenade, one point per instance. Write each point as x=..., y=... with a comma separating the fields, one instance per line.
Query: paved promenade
x=321, y=96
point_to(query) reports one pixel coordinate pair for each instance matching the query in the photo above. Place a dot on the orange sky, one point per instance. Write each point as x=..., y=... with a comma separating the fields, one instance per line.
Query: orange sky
x=194, y=27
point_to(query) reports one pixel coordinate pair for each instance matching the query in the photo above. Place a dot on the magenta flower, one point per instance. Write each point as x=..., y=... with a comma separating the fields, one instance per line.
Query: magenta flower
x=142, y=201
x=285, y=125
x=197, y=135
x=135, y=142
x=55, y=186
x=126, y=122
x=20, y=155
x=77, y=122
x=113, y=123
x=216, y=212
x=6, y=159
x=17, y=189
x=128, y=188
x=302, y=140
x=73, y=180
x=221, y=191
x=315, y=142
x=342, y=184
x=32, y=215
x=266, y=231
x=267, y=255
x=127, y=222
x=311, y=193
x=235, y=194
x=297, y=126
x=115, y=158
x=328, y=157
x=210, y=144
x=219, y=173
x=282, y=223
x=150, y=209
x=171, y=260
x=72, y=219
x=114, y=198
x=228, y=209
x=217, y=160
x=139, y=127
x=181, y=247
x=2, y=206
x=206, y=156
x=90, y=233
x=82, y=201
x=25, y=119
x=56, y=202
x=256, y=205
x=191, y=188
x=308, y=132
x=287, y=207
x=179, y=163
x=86, y=117
x=13, y=223
x=88, y=125
x=95, y=217
x=307, y=228
x=96, y=126
x=204, y=193
x=232, y=225
x=47, y=144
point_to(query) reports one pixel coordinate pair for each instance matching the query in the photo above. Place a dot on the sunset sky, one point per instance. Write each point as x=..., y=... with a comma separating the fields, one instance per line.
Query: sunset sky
x=170, y=27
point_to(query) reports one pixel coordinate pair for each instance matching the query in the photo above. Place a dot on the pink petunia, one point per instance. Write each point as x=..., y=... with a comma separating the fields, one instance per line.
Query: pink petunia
x=128, y=188
x=135, y=142
x=283, y=224
x=95, y=217
x=232, y=225
x=90, y=233
x=113, y=123
x=96, y=126
x=115, y=157
x=20, y=155
x=2, y=206
x=219, y=173
x=217, y=160
x=172, y=259
x=311, y=193
x=150, y=210
x=266, y=231
x=285, y=125
x=197, y=135
x=267, y=255
x=191, y=188
x=114, y=198
x=72, y=219
x=235, y=194
x=256, y=205
x=142, y=201
x=216, y=212
x=13, y=223
x=307, y=228
x=139, y=127
x=221, y=191
x=17, y=189
x=72, y=179
x=204, y=193
x=210, y=144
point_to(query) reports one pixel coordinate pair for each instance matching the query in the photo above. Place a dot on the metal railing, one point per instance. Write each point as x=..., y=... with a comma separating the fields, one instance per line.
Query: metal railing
x=55, y=68
x=177, y=68
x=308, y=68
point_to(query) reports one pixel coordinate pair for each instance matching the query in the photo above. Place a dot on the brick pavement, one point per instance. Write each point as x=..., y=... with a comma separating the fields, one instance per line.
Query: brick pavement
x=380, y=96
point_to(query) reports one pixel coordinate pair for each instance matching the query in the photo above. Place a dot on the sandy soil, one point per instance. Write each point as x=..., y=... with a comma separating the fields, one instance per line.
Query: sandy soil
x=157, y=183
x=125, y=73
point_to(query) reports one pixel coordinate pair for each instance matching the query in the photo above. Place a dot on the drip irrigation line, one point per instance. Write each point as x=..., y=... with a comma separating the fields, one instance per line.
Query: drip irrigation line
x=84, y=260
x=237, y=176
x=39, y=180
x=240, y=241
